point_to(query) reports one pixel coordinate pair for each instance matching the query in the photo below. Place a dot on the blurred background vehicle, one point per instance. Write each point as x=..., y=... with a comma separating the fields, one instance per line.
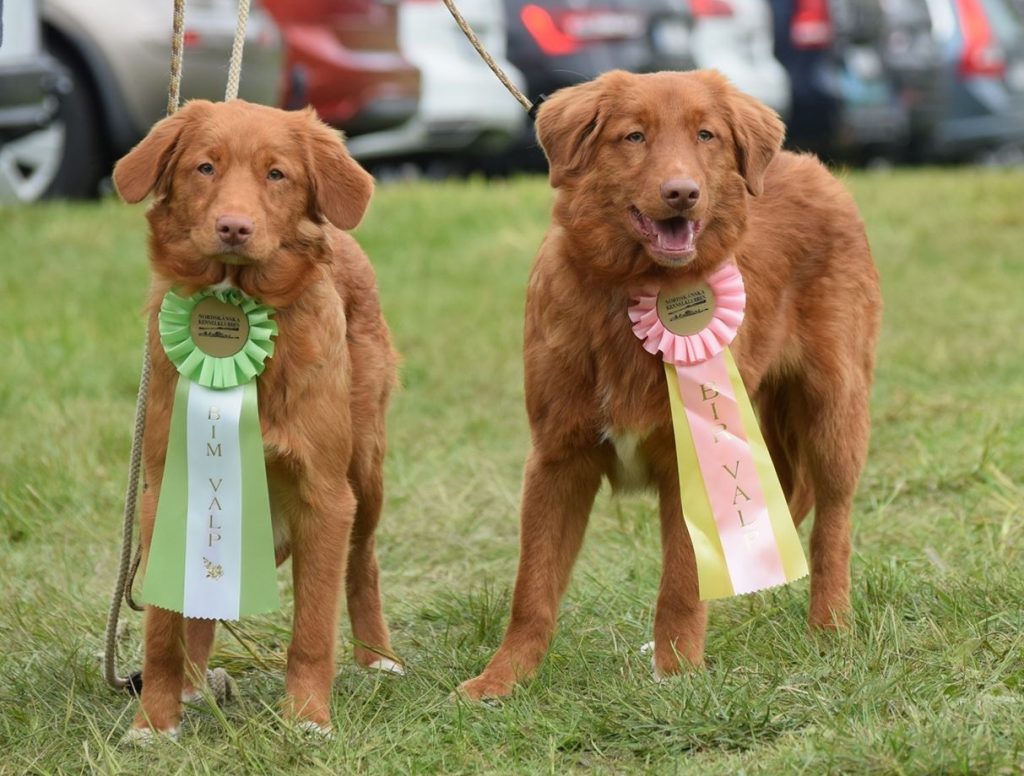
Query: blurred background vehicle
x=910, y=55
x=557, y=43
x=735, y=37
x=845, y=103
x=116, y=55
x=464, y=113
x=982, y=72
x=343, y=58
x=31, y=138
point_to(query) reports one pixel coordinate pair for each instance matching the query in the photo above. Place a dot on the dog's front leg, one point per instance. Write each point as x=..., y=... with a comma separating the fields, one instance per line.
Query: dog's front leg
x=680, y=619
x=319, y=539
x=557, y=499
x=163, y=665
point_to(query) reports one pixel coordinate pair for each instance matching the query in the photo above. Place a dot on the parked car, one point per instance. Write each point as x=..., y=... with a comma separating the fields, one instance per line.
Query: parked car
x=31, y=139
x=845, y=101
x=736, y=38
x=343, y=58
x=464, y=111
x=910, y=54
x=117, y=54
x=982, y=60
x=557, y=43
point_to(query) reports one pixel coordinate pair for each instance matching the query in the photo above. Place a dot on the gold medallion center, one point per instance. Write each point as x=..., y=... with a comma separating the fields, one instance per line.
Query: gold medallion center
x=686, y=309
x=218, y=329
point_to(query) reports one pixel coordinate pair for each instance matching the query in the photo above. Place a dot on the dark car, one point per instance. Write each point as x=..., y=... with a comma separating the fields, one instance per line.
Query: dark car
x=845, y=101
x=982, y=59
x=558, y=43
x=30, y=83
x=343, y=58
x=911, y=55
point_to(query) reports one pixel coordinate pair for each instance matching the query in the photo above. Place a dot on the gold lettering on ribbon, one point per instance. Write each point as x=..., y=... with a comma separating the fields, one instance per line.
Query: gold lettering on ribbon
x=213, y=451
x=214, y=533
x=217, y=485
x=213, y=414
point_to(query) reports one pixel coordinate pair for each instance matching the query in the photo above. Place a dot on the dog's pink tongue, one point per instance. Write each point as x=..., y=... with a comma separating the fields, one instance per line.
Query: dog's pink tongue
x=675, y=234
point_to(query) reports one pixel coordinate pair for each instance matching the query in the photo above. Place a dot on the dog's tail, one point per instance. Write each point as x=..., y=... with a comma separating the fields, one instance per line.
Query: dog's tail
x=778, y=417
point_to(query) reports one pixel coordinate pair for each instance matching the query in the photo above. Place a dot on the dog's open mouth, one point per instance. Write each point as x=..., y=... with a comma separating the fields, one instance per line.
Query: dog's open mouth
x=673, y=238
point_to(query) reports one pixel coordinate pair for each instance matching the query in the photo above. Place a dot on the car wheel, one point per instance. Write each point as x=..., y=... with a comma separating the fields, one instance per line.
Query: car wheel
x=82, y=161
x=28, y=165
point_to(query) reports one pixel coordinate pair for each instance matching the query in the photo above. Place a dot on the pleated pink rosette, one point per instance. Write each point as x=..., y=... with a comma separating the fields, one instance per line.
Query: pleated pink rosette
x=730, y=300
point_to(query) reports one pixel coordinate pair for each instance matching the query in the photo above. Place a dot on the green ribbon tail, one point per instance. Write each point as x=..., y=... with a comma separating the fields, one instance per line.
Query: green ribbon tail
x=259, y=580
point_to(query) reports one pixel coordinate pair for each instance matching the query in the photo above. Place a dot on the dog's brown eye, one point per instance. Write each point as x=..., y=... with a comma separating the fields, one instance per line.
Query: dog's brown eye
x=205, y=168
x=635, y=137
x=704, y=136
x=275, y=174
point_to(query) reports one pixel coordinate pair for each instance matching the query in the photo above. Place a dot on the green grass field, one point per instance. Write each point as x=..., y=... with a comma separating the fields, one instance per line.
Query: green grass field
x=930, y=680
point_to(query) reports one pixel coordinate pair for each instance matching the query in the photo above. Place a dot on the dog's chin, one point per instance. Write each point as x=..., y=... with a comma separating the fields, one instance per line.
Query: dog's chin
x=670, y=242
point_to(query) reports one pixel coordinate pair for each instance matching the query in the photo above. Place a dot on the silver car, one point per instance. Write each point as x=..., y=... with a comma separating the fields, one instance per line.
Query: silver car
x=117, y=54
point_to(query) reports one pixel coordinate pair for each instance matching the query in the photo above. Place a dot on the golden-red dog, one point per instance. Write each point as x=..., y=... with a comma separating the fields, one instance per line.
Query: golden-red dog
x=257, y=198
x=667, y=176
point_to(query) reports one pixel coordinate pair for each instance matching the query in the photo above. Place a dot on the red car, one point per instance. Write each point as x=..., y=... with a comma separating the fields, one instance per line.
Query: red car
x=343, y=58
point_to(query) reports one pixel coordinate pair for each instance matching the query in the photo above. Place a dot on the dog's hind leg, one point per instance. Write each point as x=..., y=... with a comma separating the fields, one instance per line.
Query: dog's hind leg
x=198, y=646
x=781, y=414
x=557, y=499
x=836, y=437
x=319, y=541
x=680, y=618
x=362, y=577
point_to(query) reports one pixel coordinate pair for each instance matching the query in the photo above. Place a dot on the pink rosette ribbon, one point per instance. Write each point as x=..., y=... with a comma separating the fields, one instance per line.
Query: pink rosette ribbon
x=742, y=533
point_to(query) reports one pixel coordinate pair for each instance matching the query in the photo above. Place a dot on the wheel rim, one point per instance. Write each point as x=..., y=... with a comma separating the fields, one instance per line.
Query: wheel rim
x=29, y=164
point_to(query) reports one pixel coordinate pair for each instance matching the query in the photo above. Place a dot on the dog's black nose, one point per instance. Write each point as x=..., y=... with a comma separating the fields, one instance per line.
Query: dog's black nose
x=234, y=230
x=680, y=193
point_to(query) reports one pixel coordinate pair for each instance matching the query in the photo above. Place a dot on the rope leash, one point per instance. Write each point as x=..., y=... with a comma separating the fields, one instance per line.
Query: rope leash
x=530, y=107
x=218, y=679
x=235, y=66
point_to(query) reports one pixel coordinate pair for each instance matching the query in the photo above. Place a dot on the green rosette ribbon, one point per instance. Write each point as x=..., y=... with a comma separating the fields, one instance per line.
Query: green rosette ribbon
x=212, y=371
x=212, y=551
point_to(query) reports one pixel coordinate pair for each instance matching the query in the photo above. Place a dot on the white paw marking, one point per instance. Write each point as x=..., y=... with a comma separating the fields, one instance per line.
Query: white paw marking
x=387, y=665
x=648, y=649
x=315, y=730
x=148, y=736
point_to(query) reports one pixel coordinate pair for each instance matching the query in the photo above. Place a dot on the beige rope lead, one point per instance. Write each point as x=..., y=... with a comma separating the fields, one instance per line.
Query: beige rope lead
x=177, y=51
x=495, y=68
x=126, y=569
x=235, y=67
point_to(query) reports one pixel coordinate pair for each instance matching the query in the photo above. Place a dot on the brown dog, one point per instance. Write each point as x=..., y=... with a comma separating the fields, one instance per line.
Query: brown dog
x=256, y=198
x=667, y=176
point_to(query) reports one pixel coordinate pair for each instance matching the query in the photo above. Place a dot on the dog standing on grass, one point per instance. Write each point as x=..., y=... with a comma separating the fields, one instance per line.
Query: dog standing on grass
x=660, y=178
x=257, y=198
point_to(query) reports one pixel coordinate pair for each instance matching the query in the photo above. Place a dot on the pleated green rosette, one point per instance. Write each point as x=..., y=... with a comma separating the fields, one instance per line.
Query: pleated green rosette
x=176, y=328
x=212, y=552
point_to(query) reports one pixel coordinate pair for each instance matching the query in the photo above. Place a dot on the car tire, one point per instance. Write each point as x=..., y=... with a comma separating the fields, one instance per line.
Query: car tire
x=83, y=163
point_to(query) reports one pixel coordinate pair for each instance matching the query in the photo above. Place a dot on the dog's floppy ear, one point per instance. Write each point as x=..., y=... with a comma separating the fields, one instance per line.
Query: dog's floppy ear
x=568, y=124
x=757, y=133
x=141, y=169
x=340, y=188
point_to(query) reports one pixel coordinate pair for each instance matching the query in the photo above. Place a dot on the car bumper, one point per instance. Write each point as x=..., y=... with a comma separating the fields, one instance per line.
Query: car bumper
x=27, y=100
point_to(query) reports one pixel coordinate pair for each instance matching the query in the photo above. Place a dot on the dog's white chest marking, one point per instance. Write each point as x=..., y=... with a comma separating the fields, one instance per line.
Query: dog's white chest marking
x=630, y=466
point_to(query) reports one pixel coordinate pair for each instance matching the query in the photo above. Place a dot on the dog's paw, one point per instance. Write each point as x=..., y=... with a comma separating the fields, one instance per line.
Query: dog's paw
x=483, y=689
x=144, y=736
x=648, y=649
x=388, y=666
x=314, y=730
